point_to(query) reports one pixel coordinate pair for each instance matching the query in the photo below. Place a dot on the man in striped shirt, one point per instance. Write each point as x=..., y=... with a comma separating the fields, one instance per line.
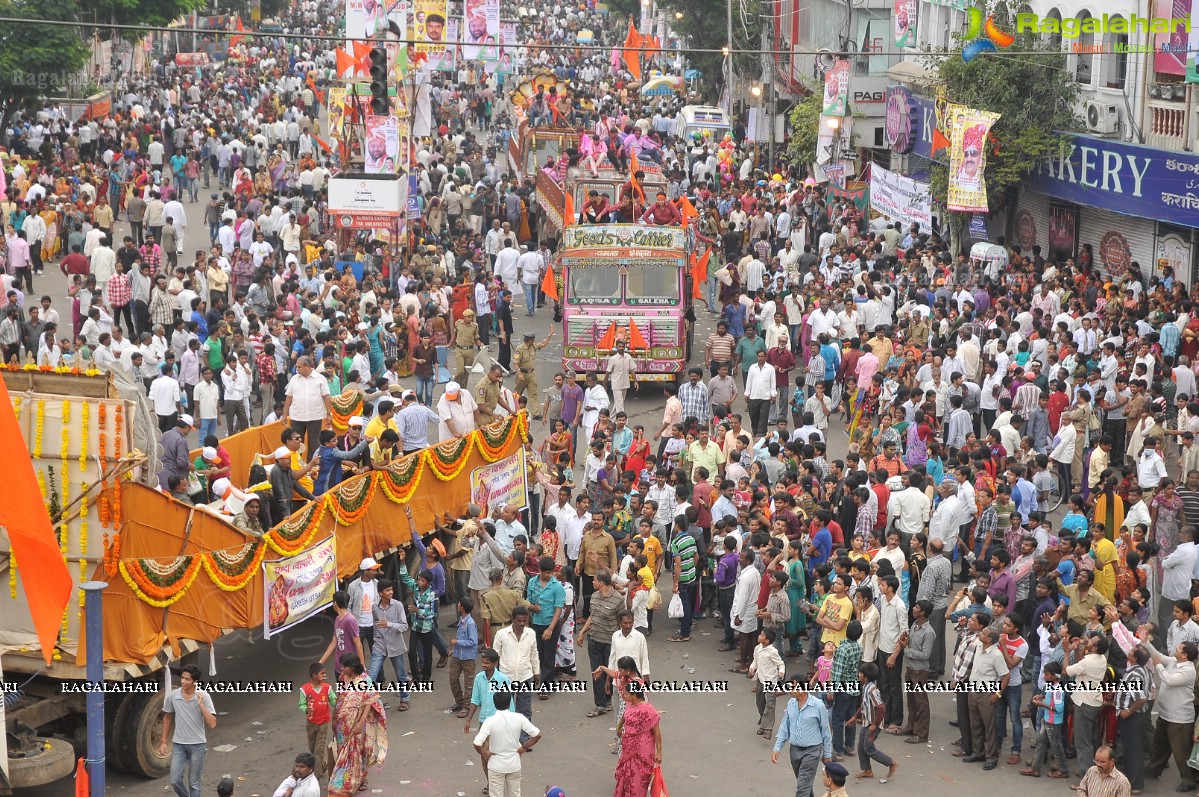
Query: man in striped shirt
x=686, y=562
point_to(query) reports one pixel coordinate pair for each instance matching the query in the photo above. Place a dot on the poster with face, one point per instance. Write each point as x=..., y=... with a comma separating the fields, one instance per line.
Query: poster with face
x=382, y=145
x=836, y=88
x=482, y=19
x=428, y=26
x=905, y=23
x=968, y=132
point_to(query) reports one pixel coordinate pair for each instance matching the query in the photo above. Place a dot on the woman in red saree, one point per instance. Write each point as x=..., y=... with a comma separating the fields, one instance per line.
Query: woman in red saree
x=640, y=743
x=359, y=731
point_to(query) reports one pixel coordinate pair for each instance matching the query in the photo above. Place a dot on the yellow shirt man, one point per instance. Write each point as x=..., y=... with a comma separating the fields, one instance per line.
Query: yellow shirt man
x=836, y=608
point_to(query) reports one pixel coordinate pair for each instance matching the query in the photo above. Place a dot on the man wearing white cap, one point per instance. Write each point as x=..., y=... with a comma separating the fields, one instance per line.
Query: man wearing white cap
x=364, y=594
x=176, y=459
x=285, y=481
x=458, y=411
x=249, y=519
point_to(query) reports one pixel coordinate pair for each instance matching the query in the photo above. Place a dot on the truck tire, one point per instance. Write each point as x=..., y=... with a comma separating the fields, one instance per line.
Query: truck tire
x=142, y=731
x=115, y=710
x=54, y=759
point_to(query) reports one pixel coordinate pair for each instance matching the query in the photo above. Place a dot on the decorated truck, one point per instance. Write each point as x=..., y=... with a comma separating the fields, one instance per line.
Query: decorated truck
x=179, y=576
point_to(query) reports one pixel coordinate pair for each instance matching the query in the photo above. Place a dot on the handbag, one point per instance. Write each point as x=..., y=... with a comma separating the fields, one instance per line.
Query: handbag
x=675, y=610
x=655, y=599
x=657, y=784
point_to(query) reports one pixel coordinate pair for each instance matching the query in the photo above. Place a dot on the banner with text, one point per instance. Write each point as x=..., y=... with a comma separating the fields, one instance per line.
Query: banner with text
x=836, y=88
x=502, y=482
x=363, y=18
x=299, y=586
x=482, y=21
x=337, y=111
x=428, y=26
x=507, y=51
x=448, y=61
x=905, y=23
x=384, y=151
x=968, y=129
x=900, y=198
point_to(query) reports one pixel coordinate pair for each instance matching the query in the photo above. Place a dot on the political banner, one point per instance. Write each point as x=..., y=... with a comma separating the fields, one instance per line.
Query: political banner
x=507, y=54
x=836, y=88
x=298, y=587
x=337, y=111
x=900, y=198
x=482, y=21
x=383, y=149
x=502, y=482
x=968, y=129
x=428, y=26
x=448, y=60
x=364, y=18
x=397, y=31
x=905, y=23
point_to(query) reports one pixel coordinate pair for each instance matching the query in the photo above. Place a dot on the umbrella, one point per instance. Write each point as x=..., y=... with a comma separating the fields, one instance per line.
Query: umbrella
x=659, y=87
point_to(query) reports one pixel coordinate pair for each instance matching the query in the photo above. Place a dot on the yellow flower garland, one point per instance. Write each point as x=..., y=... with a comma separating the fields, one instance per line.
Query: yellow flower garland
x=83, y=437
x=160, y=604
x=41, y=486
x=12, y=574
x=82, y=579
x=66, y=441
x=41, y=424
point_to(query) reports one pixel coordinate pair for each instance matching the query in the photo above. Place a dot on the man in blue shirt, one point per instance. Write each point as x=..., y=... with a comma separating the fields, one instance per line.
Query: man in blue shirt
x=548, y=599
x=806, y=726
x=832, y=360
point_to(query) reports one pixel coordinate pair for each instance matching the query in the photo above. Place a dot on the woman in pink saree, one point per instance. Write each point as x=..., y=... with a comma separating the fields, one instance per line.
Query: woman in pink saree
x=640, y=743
x=359, y=731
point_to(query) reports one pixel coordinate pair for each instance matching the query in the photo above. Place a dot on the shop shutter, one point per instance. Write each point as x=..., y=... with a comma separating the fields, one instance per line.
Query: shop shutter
x=1031, y=223
x=1117, y=239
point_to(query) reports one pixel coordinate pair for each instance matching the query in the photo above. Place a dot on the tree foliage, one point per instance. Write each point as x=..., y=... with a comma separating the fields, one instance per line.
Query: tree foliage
x=805, y=126
x=139, y=13
x=36, y=60
x=1036, y=96
x=703, y=26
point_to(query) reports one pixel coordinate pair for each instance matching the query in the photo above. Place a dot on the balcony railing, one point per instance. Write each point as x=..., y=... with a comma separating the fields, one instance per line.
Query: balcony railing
x=1166, y=125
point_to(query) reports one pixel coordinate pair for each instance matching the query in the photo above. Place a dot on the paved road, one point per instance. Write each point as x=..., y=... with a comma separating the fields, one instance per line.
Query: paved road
x=710, y=745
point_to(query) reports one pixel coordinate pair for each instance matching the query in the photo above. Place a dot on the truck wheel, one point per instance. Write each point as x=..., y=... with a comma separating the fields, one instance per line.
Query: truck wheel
x=142, y=726
x=51, y=760
x=115, y=712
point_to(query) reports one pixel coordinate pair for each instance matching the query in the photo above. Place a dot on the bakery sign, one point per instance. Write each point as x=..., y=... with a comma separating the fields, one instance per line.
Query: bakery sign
x=357, y=203
x=900, y=124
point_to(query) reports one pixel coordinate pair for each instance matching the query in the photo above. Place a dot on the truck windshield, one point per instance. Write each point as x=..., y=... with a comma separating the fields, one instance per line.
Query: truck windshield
x=594, y=284
x=653, y=282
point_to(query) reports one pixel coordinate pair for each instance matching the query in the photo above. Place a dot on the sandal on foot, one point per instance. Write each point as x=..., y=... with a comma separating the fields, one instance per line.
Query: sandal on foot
x=1030, y=773
x=403, y=705
x=595, y=712
x=867, y=775
x=460, y=714
x=1014, y=758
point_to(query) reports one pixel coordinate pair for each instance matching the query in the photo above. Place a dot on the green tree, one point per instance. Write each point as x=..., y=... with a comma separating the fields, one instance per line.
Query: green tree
x=36, y=60
x=1036, y=97
x=805, y=125
x=147, y=13
x=703, y=26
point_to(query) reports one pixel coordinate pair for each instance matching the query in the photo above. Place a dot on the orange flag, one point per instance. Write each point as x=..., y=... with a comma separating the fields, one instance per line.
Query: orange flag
x=633, y=43
x=362, y=53
x=634, y=166
x=82, y=780
x=549, y=286
x=940, y=142
x=608, y=341
x=636, y=339
x=699, y=274
x=34, y=544
x=569, y=216
x=347, y=65
x=687, y=210
x=236, y=40
x=323, y=144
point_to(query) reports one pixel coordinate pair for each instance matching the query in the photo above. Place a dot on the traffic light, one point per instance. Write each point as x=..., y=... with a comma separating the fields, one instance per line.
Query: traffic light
x=380, y=104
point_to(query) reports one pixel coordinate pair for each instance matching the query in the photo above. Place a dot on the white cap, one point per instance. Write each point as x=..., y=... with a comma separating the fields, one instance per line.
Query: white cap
x=209, y=453
x=409, y=394
x=356, y=420
x=282, y=452
x=253, y=497
x=369, y=564
x=362, y=325
x=187, y=419
x=220, y=486
x=452, y=389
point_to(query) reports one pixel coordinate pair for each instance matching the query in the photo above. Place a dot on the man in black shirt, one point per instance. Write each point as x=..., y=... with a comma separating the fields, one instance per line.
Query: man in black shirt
x=504, y=318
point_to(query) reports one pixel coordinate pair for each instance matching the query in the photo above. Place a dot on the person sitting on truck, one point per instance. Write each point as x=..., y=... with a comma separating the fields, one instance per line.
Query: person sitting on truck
x=662, y=212
x=596, y=208
x=594, y=151
x=248, y=519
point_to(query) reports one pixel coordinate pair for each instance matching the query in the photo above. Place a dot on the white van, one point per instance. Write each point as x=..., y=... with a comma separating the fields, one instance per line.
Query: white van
x=702, y=119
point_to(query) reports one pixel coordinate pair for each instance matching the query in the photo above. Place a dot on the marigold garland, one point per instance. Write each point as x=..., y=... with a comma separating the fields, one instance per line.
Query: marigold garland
x=16, y=407
x=12, y=574
x=437, y=462
x=84, y=437
x=136, y=575
x=351, y=499
x=82, y=580
x=345, y=406
x=41, y=486
x=66, y=438
x=232, y=572
x=39, y=428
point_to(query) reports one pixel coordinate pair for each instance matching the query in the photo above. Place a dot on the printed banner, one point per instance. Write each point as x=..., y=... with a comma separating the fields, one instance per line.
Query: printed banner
x=364, y=18
x=859, y=195
x=905, y=23
x=1063, y=231
x=412, y=203
x=968, y=128
x=501, y=482
x=900, y=198
x=384, y=145
x=397, y=30
x=428, y=26
x=299, y=586
x=1192, y=75
x=482, y=20
x=448, y=60
x=337, y=111
x=836, y=88
x=507, y=54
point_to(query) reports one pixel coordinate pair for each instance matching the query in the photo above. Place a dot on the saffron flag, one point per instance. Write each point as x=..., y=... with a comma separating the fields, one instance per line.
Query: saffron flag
x=633, y=43
x=549, y=286
x=322, y=144
x=82, y=781
x=348, y=66
x=34, y=544
x=634, y=167
x=687, y=209
x=569, y=216
x=236, y=40
x=699, y=274
x=608, y=341
x=636, y=338
x=940, y=142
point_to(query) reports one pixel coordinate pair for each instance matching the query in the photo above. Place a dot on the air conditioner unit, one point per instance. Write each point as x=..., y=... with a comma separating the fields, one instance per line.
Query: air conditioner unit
x=1102, y=117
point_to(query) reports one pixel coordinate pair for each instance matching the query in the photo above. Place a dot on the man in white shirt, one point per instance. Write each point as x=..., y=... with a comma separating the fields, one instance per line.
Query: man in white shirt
x=164, y=396
x=206, y=397
x=761, y=390
x=947, y=520
x=908, y=509
x=744, y=612
x=517, y=646
x=302, y=782
x=502, y=733
x=236, y=379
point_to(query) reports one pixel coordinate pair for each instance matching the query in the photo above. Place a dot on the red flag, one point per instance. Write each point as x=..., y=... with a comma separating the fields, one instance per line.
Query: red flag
x=569, y=216
x=34, y=544
x=82, y=781
x=549, y=286
x=940, y=142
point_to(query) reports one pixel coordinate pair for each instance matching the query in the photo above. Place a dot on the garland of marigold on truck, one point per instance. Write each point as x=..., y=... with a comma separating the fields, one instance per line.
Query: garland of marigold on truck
x=345, y=406
x=161, y=583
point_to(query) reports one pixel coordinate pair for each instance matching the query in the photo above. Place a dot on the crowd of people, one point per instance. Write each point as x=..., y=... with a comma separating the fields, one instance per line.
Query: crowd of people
x=969, y=403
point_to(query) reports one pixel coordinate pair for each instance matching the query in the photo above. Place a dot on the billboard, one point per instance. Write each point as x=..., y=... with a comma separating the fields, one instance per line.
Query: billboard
x=383, y=146
x=482, y=21
x=968, y=129
x=900, y=198
x=359, y=203
x=428, y=26
x=836, y=88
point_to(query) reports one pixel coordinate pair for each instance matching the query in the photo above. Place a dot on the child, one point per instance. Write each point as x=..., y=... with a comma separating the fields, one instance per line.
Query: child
x=819, y=593
x=871, y=716
x=824, y=666
x=317, y=700
x=798, y=398
x=768, y=668
x=464, y=649
x=1052, y=708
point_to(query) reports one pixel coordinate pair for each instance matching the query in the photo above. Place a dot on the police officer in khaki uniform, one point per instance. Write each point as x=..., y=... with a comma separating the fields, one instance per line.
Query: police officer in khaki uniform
x=465, y=343
x=526, y=369
x=489, y=393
